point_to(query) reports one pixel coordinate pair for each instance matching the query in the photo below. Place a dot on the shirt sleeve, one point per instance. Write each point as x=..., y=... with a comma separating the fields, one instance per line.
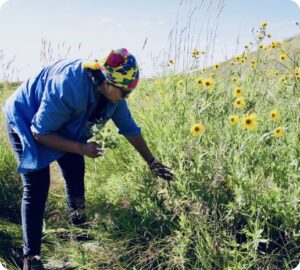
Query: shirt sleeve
x=124, y=121
x=55, y=108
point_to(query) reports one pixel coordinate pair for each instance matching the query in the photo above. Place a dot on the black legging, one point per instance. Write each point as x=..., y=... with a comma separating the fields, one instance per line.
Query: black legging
x=35, y=192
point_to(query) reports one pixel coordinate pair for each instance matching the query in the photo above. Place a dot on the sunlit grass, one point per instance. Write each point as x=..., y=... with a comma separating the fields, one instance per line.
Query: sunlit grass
x=234, y=202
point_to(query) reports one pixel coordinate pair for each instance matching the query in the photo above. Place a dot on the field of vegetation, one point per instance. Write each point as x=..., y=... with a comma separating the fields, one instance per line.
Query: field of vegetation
x=230, y=133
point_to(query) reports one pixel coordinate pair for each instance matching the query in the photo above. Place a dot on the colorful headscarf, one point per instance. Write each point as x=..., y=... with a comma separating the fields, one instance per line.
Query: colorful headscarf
x=121, y=69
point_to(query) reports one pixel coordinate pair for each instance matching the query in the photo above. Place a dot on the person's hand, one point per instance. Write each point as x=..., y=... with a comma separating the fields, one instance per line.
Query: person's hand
x=91, y=149
x=160, y=170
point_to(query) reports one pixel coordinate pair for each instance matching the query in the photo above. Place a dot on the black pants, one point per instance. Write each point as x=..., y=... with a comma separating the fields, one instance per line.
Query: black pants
x=36, y=186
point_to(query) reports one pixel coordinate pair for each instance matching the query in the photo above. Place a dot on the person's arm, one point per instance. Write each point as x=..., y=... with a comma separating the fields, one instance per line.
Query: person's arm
x=56, y=109
x=127, y=127
x=57, y=142
x=140, y=145
x=159, y=169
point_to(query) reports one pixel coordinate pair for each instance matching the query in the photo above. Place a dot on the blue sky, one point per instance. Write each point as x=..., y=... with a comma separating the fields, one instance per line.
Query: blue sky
x=99, y=26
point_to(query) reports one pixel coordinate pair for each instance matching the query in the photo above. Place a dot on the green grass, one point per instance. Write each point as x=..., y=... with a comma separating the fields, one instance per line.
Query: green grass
x=234, y=202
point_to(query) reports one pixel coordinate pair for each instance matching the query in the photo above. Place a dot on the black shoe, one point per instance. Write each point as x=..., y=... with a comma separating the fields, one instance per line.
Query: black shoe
x=33, y=263
x=77, y=217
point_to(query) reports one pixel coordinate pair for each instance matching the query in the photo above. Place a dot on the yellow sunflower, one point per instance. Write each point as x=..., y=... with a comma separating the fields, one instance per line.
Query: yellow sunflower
x=197, y=129
x=195, y=53
x=234, y=79
x=253, y=64
x=233, y=119
x=283, y=56
x=239, y=103
x=264, y=24
x=181, y=83
x=282, y=79
x=297, y=72
x=199, y=81
x=238, y=58
x=274, y=44
x=208, y=83
x=249, y=121
x=274, y=114
x=237, y=92
x=259, y=36
x=171, y=62
x=278, y=132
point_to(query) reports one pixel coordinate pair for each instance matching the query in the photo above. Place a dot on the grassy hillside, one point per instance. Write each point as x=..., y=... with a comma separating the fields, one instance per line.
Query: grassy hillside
x=231, y=134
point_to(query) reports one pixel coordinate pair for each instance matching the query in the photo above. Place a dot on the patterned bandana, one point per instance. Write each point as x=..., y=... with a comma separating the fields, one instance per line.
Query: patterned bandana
x=121, y=69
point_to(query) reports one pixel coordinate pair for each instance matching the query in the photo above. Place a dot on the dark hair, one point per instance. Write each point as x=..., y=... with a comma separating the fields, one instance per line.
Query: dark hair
x=96, y=76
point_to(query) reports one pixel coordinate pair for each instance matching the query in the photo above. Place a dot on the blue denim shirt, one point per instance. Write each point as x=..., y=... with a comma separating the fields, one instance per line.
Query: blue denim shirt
x=59, y=99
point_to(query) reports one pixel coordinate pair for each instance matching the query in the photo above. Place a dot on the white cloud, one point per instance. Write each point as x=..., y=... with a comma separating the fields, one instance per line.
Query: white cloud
x=285, y=23
x=160, y=22
x=98, y=23
x=106, y=20
x=2, y=2
x=145, y=23
x=148, y=23
x=297, y=2
x=119, y=25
